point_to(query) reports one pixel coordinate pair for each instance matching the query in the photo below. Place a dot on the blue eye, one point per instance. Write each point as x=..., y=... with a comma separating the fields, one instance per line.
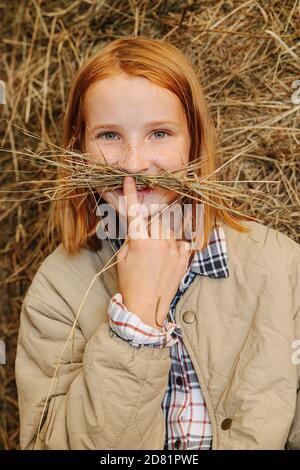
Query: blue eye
x=161, y=132
x=105, y=133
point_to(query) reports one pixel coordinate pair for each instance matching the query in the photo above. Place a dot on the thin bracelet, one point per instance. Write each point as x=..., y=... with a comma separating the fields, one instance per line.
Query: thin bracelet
x=156, y=312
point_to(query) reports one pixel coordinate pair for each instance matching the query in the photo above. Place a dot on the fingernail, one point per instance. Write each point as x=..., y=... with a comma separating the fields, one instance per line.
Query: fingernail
x=128, y=179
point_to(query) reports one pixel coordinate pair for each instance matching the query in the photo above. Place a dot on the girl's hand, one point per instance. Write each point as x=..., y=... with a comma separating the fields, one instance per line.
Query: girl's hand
x=149, y=269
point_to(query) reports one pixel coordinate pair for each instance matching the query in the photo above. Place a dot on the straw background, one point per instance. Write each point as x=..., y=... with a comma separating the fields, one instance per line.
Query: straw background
x=247, y=55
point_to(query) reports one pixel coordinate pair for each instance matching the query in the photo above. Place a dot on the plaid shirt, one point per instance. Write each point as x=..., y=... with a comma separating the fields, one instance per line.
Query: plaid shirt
x=187, y=422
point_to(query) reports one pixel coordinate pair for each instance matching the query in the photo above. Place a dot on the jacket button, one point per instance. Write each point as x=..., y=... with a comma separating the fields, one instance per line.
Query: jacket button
x=226, y=423
x=188, y=317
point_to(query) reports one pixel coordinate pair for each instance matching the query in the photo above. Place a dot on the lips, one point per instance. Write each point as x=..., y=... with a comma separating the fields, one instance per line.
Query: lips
x=142, y=190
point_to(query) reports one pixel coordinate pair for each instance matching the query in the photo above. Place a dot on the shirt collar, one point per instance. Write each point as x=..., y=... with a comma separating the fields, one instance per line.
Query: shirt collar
x=210, y=262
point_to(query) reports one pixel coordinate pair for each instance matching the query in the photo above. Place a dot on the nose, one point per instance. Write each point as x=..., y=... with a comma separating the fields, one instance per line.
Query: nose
x=133, y=160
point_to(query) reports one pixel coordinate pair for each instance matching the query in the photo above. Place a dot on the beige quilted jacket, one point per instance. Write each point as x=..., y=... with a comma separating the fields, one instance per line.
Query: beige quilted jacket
x=107, y=394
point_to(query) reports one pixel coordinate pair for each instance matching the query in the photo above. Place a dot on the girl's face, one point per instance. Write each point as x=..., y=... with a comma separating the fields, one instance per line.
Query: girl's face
x=140, y=126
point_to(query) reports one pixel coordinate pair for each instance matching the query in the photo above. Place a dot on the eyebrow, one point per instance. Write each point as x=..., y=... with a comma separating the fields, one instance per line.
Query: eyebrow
x=148, y=124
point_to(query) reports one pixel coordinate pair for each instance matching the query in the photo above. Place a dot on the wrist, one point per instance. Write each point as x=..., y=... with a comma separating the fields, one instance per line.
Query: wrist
x=146, y=313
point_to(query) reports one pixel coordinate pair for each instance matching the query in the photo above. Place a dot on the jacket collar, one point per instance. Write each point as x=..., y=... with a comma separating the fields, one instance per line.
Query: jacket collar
x=210, y=262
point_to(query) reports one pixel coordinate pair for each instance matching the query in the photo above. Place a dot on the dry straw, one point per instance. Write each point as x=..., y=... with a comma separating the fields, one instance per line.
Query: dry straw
x=80, y=170
x=250, y=54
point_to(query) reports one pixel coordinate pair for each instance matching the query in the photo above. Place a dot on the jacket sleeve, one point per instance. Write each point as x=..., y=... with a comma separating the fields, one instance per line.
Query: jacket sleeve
x=107, y=394
x=131, y=328
x=293, y=441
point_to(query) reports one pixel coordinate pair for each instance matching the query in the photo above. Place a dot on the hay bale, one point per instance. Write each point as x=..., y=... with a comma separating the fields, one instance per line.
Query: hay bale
x=247, y=57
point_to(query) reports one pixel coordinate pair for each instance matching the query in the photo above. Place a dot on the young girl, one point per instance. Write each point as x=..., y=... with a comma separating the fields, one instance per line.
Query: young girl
x=170, y=350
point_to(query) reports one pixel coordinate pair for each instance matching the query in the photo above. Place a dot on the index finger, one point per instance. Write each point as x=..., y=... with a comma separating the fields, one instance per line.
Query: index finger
x=136, y=222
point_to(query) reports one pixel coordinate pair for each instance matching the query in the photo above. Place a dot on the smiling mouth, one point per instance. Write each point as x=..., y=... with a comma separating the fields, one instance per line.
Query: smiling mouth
x=142, y=190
